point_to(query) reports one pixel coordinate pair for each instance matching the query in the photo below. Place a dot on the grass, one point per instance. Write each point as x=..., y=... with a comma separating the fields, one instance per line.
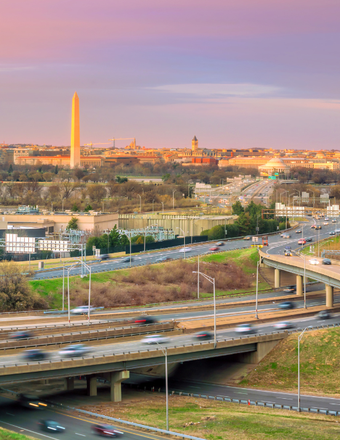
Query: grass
x=214, y=420
x=234, y=272
x=319, y=365
x=9, y=435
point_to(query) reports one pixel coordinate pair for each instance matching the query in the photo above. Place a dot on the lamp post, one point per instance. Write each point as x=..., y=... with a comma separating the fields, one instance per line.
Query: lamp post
x=162, y=207
x=140, y=203
x=173, y=198
x=153, y=205
x=257, y=289
x=129, y=237
x=299, y=339
x=165, y=352
x=184, y=239
x=304, y=279
x=212, y=280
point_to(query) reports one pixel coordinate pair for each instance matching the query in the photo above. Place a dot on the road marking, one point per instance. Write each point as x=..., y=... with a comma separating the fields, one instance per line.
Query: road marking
x=83, y=435
x=283, y=398
x=28, y=430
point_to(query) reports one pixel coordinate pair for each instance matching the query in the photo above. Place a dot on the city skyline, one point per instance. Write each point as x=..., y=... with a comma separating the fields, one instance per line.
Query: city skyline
x=237, y=74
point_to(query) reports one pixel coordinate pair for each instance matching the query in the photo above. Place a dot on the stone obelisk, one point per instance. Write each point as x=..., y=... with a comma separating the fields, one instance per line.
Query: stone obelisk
x=75, y=134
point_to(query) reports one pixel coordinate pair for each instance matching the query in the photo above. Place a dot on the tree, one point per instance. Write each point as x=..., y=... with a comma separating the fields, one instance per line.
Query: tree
x=88, y=208
x=216, y=232
x=121, y=179
x=96, y=192
x=75, y=209
x=115, y=237
x=56, y=169
x=10, y=169
x=72, y=224
x=237, y=208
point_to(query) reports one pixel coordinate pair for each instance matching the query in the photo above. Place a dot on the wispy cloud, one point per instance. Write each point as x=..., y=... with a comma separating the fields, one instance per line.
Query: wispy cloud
x=6, y=69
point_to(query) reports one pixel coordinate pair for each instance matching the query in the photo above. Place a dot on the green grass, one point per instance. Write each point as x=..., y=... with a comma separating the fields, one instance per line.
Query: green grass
x=9, y=435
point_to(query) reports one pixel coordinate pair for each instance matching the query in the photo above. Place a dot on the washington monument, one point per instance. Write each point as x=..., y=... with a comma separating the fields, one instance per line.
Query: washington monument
x=75, y=133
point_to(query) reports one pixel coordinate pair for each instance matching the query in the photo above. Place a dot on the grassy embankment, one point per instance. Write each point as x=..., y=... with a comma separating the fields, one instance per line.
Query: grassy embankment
x=329, y=244
x=319, y=365
x=214, y=420
x=171, y=281
x=9, y=435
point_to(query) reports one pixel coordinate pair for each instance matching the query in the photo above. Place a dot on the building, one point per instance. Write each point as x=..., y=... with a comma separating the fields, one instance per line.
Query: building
x=75, y=133
x=194, y=144
x=275, y=165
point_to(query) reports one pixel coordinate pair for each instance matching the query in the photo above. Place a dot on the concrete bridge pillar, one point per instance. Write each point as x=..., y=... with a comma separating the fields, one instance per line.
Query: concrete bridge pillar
x=116, y=379
x=329, y=295
x=91, y=386
x=277, y=278
x=70, y=383
x=299, y=285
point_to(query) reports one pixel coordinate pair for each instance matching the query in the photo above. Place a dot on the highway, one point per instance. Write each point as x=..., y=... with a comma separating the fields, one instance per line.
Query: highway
x=25, y=421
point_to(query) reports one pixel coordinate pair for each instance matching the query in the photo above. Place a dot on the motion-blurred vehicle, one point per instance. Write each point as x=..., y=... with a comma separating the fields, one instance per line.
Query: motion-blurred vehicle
x=143, y=320
x=21, y=335
x=332, y=233
x=155, y=339
x=74, y=350
x=298, y=231
x=247, y=237
x=333, y=221
x=214, y=248
x=185, y=249
x=309, y=239
x=31, y=401
x=82, y=310
x=126, y=260
x=302, y=241
x=106, y=431
x=245, y=328
x=51, y=426
x=287, y=253
x=289, y=289
x=325, y=223
x=161, y=259
x=318, y=227
x=35, y=355
x=326, y=261
x=313, y=227
x=283, y=325
x=104, y=257
x=203, y=335
x=323, y=314
x=287, y=305
x=314, y=261
x=220, y=243
x=285, y=236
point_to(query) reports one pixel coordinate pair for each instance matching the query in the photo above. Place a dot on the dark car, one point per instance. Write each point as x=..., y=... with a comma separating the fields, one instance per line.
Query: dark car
x=298, y=231
x=203, y=335
x=106, y=430
x=308, y=239
x=31, y=401
x=324, y=314
x=21, y=335
x=104, y=257
x=161, y=259
x=126, y=260
x=318, y=227
x=289, y=289
x=51, y=426
x=143, y=320
x=326, y=261
x=287, y=305
x=35, y=355
x=332, y=233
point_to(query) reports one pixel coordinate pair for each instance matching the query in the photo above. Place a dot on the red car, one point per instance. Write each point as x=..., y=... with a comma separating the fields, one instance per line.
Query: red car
x=214, y=248
x=106, y=431
x=302, y=241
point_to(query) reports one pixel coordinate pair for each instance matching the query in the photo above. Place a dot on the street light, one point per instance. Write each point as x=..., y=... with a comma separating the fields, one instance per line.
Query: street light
x=184, y=239
x=212, y=280
x=299, y=339
x=140, y=203
x=257, y=288
x=173, y=198
x=298, y=254
x=165, y=352
x=130, y=245
x=162, y=207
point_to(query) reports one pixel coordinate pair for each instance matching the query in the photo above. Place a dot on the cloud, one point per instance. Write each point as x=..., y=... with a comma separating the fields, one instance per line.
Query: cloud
x=6, y=69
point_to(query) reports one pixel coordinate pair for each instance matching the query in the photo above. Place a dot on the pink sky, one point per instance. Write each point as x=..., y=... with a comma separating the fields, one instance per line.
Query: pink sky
x=237, y=74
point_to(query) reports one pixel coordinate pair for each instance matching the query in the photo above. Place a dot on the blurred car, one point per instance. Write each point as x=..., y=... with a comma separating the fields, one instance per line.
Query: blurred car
x=203, y=335
x=247, y=237
x=289, y=289
x=285, y=236
x=104, y=257
x=185, y=249
x=332, y=233
x=309, y=239
x=323, y=314
x=245, y=328
x=220, y=243
x=318, y=227
x=325, y=223
x=161, y=259
x=82, y=310
x=21, y=335
x=74, y=350
x=314, y=261
x=214, y=248
x=31, y=401
x=126, y=260
x=302, y=241
x=283, y=325
x=155, y=339
x=51, y=426
x=106, y=430
x=298, y=231
x=333, y=221
x=313, y=227
x=326, y=261
x=143, y=320
x=35, y=355
x=287, y=305
x=287, y=253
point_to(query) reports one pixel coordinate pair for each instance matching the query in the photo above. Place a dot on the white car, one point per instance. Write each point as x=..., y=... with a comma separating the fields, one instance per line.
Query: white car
x=82, y=310
x=283, y=325
x=314, y=261
x=325, y=223
x=185, y=249
x=155, y=339
x=74, y=350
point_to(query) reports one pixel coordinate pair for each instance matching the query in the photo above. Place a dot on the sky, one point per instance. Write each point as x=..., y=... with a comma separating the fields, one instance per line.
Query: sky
x=234, y=73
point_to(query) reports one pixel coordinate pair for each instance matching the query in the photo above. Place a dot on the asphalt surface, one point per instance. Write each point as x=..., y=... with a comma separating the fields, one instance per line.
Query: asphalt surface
x=25, y=421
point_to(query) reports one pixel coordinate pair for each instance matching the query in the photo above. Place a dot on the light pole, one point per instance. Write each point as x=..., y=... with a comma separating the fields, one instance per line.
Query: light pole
x=184, y=239
x=173, y=198
x=165, y=352
x=130, y=246
x=162, y=207
x=140, y=203
x=198, y=276
x=212, y=280
x=257, y=288
x=304, y=279
x=153, y=205
x=299, y=339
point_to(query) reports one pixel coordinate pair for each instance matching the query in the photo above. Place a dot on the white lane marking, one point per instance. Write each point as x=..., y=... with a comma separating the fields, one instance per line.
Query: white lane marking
x=28, y=430
x=286, y=398
x=83, y=435
x=334, y=403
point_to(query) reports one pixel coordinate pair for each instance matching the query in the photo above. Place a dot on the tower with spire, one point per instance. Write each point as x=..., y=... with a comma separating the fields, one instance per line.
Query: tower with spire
x=194, y=144
x=75, y=133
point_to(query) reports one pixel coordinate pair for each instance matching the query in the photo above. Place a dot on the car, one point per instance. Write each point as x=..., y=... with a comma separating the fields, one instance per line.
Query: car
x=143, y=320
x=309, y=239
x=31, y=401
x=285, y=236
x=313, y=261
x=326, y=261
x=298, y=231
x=203, y=335
x=106, y=430
x=51, y=426
x=247, y=237
x=126, y=260
x=220, y=243
x=326, y=219
x=185, y=249
x=323, y=314
x=35, y=355
x=74, y=350
x=287, y=253
x=161, y=259
x=283, y=325
x=21, y=335
x=313, y=227
x=325, y=223
x=302, y=241
x=287, y=305
x=245, y=328
x=332, y=233
x=82, y=310
x=104, y=257
x=333, y=221
x=155, y=339
x=318, y=227
x=214, y=248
